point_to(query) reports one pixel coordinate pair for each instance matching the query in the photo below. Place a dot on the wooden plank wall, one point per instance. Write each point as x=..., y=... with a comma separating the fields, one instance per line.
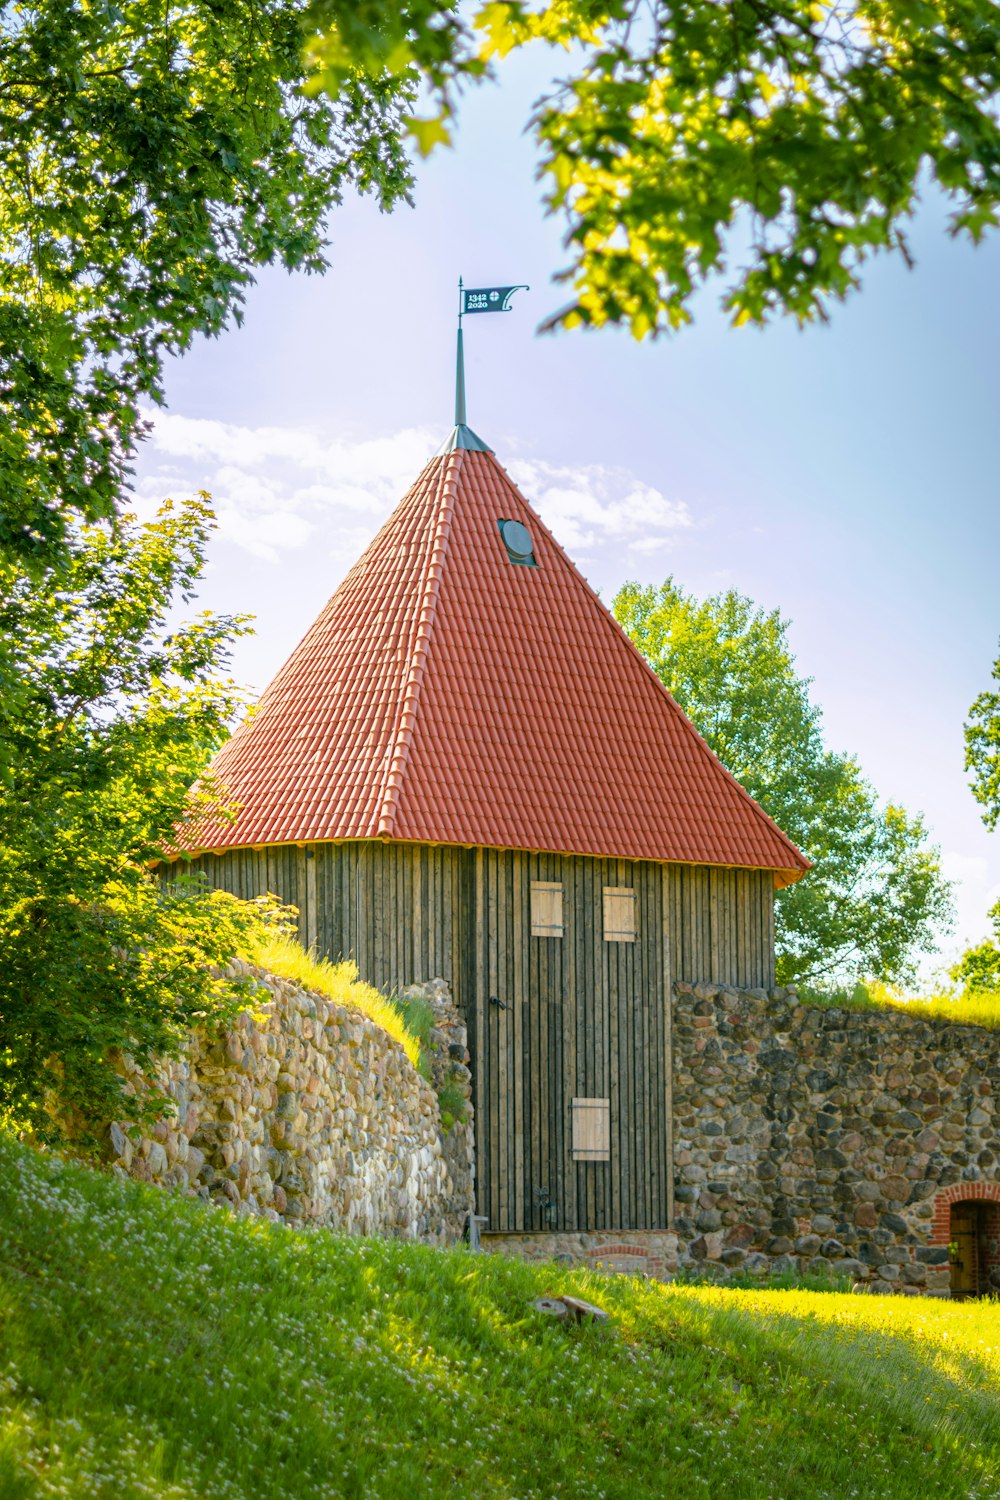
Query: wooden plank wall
x=563, y=1018
x=722, y=926
x=721, y=920
x=395, y=909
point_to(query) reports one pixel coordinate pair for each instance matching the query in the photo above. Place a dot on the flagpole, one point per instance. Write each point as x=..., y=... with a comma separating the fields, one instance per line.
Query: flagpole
x=460, y=367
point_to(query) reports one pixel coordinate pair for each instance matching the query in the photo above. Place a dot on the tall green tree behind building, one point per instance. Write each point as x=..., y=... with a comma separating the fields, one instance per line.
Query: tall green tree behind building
x=876, y=899
x=982, y=750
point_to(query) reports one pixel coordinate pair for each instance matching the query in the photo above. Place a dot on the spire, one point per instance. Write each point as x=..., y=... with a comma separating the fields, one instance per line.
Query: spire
x=461, y=436
x=482, y=299
x=460, y=372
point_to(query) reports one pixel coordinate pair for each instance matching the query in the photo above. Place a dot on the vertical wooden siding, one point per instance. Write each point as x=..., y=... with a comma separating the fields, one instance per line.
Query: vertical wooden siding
x=573, y=1017
x=395, y=909
x=399, y=909
x=722, y=926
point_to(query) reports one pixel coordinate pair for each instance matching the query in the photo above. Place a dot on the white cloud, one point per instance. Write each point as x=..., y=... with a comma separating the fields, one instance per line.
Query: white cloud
x=277, y=490
x=593, y=506
x=976, y=889
x=971, y=867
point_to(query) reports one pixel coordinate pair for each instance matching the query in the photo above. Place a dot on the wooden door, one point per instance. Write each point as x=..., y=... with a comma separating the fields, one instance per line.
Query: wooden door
x=964, y=1244
x=570, y=1041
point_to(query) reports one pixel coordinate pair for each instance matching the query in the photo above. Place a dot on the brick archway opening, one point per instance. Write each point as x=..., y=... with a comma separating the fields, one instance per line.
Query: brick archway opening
x=967, y=1221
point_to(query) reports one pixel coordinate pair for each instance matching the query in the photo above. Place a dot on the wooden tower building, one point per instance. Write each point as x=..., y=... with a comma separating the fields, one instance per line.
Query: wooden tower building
x=465, y=770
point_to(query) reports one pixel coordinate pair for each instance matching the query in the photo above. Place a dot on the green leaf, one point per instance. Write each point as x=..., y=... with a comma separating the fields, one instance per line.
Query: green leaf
x=427, y=133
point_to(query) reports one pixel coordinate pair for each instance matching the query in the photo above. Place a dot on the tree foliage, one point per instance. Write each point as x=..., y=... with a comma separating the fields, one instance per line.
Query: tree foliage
x=151, y=156
x=982, y=750
x=979, y=967
x=115, y=716
x=775, y=142
x=876, y=897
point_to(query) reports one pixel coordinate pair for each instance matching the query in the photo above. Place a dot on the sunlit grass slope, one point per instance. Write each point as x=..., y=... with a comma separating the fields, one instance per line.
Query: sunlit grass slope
x=282, y=955
x=153, y=1347
x=968, y=1007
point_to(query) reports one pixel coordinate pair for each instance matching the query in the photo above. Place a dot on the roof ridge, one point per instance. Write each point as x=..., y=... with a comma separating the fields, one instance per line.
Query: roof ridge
x=403, y=736
x=679, y=713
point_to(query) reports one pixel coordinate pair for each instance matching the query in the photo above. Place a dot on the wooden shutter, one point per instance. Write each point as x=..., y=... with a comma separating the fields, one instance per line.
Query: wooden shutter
x=546, y=909
x=619, y=914
x=591, y=1129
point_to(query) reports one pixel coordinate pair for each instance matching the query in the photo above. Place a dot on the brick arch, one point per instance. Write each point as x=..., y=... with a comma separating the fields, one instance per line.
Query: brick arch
x=958, y=1192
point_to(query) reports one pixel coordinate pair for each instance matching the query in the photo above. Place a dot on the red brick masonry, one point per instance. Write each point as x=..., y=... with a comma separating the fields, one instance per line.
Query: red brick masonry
x=962, y=1192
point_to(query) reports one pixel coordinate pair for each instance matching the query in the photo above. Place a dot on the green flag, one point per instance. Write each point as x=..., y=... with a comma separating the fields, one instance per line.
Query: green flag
x=489, y=298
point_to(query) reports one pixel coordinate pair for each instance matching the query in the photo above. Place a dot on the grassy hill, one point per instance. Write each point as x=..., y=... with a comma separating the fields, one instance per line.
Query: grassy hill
x=152, y=1347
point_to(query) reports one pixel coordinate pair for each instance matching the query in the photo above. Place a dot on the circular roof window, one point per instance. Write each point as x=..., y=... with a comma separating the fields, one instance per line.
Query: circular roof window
x=517, y=540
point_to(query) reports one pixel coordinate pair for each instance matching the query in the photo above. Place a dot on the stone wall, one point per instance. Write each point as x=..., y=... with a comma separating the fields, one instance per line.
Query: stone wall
x=807, y=1140
x=448, y=1049
x=828, y=1140
x=309, y=1113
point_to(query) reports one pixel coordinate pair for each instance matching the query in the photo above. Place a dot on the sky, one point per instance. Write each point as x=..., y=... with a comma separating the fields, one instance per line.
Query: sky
x=845, y=474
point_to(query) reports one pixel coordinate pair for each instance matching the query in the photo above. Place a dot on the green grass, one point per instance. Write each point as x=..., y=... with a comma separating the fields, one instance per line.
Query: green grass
x=150, y=1346
x=969, y=1007
x=283, y=956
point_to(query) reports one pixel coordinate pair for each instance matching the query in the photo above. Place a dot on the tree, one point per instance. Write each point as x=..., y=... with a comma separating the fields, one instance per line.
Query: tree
x=151, y=156
x=979, y=967
x=116, y=716
x=982, y=751
x=876, y=897
x=775, y=142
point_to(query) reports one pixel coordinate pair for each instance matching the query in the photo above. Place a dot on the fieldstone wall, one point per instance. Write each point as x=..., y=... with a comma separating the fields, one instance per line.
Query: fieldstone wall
x=448, y=1048
x=807, y=1140
x=312, y=1115
x=826, y=1140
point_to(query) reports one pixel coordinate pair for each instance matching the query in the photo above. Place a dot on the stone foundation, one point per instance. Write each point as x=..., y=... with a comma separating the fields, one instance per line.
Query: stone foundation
x=309, y=1113
x=652, y=1253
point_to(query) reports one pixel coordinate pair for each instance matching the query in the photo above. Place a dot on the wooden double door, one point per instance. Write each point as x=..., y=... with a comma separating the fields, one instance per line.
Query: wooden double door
x=567, y=971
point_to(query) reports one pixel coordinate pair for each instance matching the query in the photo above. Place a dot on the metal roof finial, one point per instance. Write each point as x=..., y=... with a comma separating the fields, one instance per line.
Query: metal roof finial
x=460, y=365
x=478, y=300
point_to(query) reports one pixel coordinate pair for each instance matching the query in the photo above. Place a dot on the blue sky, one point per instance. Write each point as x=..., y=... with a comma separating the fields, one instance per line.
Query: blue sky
x=846, y=474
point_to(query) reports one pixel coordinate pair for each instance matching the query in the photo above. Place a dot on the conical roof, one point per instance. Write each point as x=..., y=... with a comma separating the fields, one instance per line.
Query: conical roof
x=448, y=695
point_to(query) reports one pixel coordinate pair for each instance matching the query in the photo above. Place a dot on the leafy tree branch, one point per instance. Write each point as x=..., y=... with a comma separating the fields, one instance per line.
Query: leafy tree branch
x=112, y=716
x=151, y=157
x=774, y=144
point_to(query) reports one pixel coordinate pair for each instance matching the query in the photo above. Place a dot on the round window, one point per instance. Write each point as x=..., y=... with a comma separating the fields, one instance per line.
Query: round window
x=517, y=539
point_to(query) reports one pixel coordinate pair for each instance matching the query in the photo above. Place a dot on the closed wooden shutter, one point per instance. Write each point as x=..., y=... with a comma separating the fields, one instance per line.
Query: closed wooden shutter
x=546, y=909
x=619, y=914
x=591, y=1129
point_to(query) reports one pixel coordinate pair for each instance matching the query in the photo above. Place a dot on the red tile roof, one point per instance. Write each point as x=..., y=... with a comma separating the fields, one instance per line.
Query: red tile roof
x=445, y=695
